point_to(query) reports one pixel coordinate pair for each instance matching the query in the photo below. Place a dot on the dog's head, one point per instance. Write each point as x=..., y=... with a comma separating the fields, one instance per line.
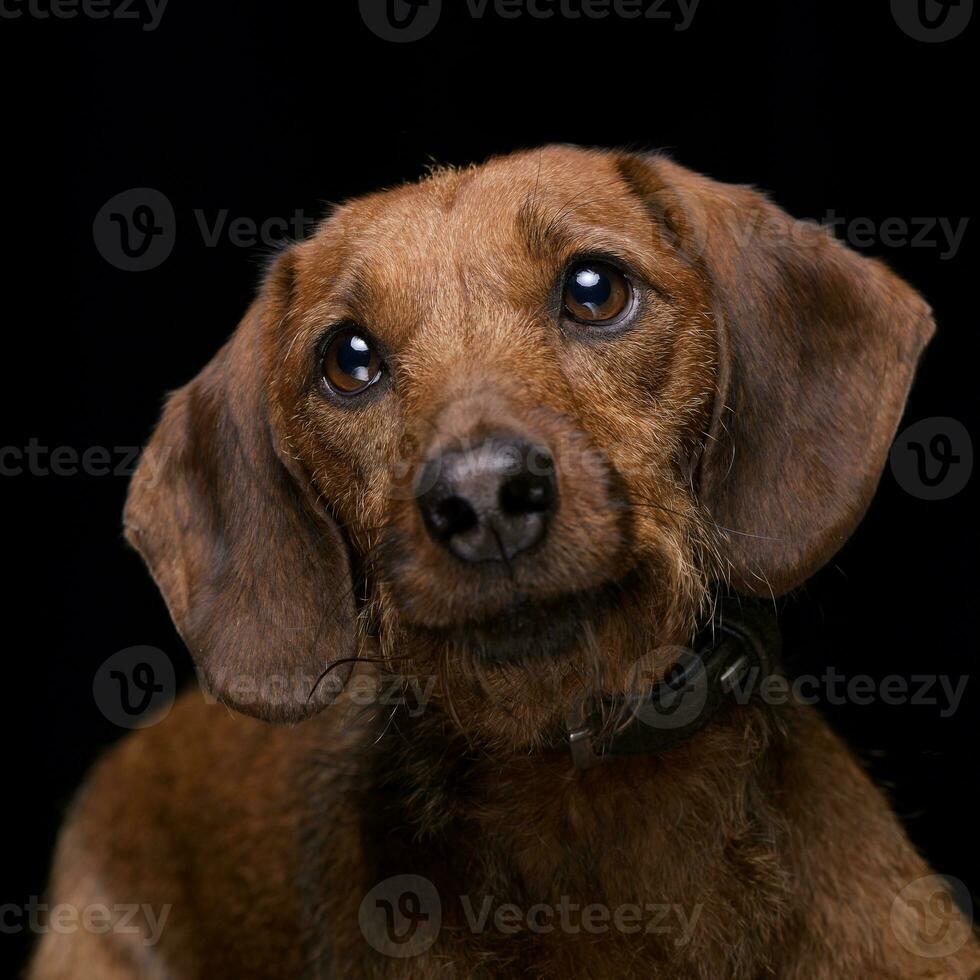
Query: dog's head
x=511, y=425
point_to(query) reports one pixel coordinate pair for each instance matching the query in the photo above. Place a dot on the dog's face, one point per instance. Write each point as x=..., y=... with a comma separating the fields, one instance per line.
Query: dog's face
x=516, y=422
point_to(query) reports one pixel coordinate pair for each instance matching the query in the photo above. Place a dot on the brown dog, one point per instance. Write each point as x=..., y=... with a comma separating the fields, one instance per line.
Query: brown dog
x=507, y=432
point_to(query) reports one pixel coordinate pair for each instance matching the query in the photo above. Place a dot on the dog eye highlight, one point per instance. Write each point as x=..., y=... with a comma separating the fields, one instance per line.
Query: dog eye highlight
x=351, y=364
x=596, y=293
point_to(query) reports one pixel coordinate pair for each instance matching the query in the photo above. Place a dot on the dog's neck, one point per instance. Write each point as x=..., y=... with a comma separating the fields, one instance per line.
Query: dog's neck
x=491, y=829
x=671, y=837
x=676, y=835
x=535, y=823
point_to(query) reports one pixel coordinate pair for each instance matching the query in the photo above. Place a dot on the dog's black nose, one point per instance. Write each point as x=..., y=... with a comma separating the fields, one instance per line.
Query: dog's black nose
x=491, y=502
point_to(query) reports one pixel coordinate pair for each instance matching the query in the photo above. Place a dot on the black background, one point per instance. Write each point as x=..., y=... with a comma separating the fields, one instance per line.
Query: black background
x=263, y=109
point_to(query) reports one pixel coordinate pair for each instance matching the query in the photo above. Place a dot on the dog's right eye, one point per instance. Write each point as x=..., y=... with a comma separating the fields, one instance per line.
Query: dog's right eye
x=351, y=364
x=595, y=293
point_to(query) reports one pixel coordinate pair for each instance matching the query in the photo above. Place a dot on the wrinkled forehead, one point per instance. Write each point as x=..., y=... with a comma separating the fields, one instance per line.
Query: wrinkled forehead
x=495, y=233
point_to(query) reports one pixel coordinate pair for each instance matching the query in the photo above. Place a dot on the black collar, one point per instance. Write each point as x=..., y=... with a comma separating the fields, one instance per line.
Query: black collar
x=740, y=645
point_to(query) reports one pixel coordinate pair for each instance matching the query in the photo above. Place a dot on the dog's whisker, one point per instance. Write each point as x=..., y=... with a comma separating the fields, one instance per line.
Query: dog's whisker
x=707, y=520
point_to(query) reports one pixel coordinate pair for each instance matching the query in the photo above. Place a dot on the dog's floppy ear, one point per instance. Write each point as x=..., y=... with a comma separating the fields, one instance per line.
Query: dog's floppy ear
x=257, y=582
x=817, y=348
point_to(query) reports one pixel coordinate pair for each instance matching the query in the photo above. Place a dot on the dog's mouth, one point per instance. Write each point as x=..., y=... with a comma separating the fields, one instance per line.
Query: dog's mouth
x=532, y=630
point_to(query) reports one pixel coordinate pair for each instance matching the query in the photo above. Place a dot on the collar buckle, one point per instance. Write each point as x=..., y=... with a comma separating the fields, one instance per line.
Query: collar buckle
x=580, y=736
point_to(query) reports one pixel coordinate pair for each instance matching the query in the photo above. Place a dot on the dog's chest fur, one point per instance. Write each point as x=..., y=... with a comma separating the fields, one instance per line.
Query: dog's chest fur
x=677, y=867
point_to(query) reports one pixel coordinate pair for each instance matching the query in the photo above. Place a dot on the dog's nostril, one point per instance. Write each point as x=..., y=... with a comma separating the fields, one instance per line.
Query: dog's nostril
x=527, y=493
x=450, y=516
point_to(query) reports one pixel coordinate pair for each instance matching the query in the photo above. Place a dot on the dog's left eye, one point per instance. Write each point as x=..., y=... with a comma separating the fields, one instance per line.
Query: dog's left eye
x=595, y=293
x=351, y=364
